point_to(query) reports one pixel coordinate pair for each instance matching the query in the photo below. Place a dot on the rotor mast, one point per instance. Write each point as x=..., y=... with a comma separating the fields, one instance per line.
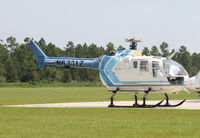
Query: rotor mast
x=133, y=43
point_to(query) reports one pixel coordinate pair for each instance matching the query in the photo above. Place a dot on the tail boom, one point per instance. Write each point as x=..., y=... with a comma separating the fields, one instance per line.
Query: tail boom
x=63, y=62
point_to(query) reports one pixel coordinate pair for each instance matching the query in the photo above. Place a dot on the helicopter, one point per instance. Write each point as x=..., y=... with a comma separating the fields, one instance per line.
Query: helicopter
x=129, y=71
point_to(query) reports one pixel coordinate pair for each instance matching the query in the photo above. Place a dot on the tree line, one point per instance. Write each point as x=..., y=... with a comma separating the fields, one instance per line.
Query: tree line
x=17, y=63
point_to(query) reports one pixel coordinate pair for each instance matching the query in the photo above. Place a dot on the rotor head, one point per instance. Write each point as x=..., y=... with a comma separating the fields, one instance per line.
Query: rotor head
x=133, y=43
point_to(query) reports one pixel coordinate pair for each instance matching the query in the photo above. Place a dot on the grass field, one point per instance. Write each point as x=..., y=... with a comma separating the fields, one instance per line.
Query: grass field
x=50, y=84
x=76, y=122
x=20, y=122
x=72, y=94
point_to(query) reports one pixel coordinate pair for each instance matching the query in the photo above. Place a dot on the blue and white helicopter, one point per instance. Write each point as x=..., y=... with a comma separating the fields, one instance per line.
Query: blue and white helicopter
x=129, y=71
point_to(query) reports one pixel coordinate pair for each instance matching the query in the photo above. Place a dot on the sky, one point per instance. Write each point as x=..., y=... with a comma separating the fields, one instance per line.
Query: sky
x=176, y=22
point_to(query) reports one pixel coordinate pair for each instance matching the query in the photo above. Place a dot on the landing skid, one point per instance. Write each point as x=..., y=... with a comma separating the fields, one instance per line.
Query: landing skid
x=169, y=105
x=135, y=105
x=144, y=105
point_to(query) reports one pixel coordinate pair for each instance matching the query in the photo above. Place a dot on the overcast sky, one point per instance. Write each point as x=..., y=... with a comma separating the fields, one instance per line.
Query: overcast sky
x=176, y=22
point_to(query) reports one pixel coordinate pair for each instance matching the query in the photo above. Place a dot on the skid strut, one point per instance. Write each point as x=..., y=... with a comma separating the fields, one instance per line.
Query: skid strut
x=112, y=98
x=169, y=105
x=144, y=105
x=135, y=105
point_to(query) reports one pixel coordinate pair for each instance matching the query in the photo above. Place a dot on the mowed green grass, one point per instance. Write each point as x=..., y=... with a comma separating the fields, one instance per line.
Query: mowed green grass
x=10, y=96
x=94, y=122
x=77, y=122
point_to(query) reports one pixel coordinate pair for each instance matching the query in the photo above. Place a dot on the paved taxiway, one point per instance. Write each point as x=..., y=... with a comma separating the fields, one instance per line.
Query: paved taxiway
x=189, y=104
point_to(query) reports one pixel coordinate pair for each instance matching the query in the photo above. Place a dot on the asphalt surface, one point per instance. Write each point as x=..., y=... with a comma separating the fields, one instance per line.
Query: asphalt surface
x=188, y=104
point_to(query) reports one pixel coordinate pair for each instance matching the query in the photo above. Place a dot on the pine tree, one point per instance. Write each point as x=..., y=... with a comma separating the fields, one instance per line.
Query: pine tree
x=146, y=51
x=154, y=51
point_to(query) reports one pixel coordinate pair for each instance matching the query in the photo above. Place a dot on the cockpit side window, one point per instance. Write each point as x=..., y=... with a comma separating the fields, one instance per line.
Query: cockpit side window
x=144, y=66
x=172, y=68
x=174, y=71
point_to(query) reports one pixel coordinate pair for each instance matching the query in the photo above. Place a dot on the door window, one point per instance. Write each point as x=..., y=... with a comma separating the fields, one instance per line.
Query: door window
x=144, y=66
x=156, y=69
x=135, y=64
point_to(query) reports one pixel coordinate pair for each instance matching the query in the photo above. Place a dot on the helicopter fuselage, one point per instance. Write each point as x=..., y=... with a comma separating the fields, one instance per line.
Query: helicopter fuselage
x=128, y=70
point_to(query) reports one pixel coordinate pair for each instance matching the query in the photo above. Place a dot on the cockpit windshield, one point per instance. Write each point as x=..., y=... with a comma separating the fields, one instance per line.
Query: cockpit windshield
x=172, y=68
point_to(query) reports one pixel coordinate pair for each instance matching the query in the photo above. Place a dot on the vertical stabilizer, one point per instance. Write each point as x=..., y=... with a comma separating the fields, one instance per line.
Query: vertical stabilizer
x=38, y=54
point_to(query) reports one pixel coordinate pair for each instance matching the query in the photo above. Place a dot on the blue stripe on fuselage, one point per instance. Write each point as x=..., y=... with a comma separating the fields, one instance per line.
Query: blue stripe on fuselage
x=109, y=71
x=136, y=82
x=104, y=61
x=149, y=85
x=105, y=78
x=110, y=66
x=127, y=52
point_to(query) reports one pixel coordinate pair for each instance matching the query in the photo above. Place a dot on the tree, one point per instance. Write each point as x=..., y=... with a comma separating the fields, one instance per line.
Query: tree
x=154, y=51
x=25, y=64
x=120, y=48
x=4, y=53
x=52, y=50
x=27, y=40
x=11, y=71
x=50, y=74
x=146, y=51
x=67, y=76
x=185, y=60
x=196, y=60
x=11, y=43
x=164, y=49
x=2, y=73
x=70, y=49
x=8, y=70
x=2, y=70
x=93, y=51
x=109, y=48
x=79, y=51
x=195, y=63
x=42, y=44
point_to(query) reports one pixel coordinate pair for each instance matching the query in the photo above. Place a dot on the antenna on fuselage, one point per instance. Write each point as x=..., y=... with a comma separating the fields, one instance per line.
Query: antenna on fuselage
x=172, y=55
x=133, y=43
